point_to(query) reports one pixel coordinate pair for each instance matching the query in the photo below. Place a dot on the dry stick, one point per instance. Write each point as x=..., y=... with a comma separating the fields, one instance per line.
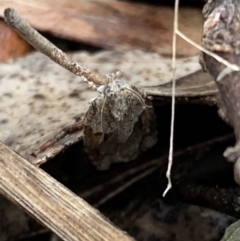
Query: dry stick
x=22, y=27
x=52, y=204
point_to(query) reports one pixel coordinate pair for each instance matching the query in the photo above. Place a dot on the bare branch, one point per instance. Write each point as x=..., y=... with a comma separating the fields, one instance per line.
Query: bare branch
x=23, y=28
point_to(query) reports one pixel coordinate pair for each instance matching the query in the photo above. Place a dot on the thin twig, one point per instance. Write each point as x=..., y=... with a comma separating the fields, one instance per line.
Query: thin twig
x=23, y=28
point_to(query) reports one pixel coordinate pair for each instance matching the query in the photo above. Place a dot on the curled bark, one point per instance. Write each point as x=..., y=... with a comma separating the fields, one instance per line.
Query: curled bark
x=221, y=35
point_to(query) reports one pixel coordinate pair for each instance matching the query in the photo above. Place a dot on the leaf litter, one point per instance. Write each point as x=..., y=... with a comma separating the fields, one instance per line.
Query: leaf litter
x=46, y=93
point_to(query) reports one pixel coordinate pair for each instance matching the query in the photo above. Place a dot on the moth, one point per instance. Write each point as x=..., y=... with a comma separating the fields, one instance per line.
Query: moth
x=119, y=124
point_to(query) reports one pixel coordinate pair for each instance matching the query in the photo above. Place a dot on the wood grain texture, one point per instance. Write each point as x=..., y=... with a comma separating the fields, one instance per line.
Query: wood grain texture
x=49, y=202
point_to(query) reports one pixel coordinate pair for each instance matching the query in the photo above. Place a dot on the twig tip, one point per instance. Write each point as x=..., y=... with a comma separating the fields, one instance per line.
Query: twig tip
x=9, y=15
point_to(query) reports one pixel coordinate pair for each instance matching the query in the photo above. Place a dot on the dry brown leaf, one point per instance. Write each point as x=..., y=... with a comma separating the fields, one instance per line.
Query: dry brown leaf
x=38, y=97
x=197, y=84
x=110, y=24
x=12, y=45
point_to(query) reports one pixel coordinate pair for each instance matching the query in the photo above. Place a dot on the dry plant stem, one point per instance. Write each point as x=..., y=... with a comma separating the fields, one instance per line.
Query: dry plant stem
x=49, y=202
x=22, y=27
x=174, y=46
x=221, y=35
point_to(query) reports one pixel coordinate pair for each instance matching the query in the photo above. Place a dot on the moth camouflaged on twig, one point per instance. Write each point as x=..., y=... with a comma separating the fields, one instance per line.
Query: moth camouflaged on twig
x=118, y=125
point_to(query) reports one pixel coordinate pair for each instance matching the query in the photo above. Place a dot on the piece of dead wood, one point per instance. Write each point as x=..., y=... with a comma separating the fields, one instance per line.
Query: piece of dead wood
x=111, y=24
x=51, y=203
x=221, y=36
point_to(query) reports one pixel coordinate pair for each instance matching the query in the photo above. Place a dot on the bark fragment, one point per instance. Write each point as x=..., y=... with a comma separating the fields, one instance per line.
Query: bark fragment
x=221, y=35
